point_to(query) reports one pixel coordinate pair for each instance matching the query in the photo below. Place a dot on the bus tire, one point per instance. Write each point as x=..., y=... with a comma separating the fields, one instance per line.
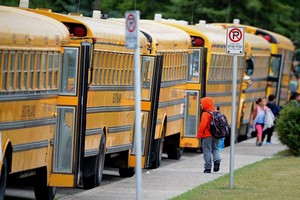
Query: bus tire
x=158, y=150
x=95, y=178
x=126, y=172
x=175, y=153
x=41, y=190
x=100, y=160
x=3, y=178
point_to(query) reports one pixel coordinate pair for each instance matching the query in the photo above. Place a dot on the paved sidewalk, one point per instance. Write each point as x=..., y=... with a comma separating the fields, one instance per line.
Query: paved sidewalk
x=176, y=178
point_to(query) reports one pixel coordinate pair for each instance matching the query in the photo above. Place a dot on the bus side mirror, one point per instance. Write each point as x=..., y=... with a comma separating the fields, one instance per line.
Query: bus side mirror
x=249, y=67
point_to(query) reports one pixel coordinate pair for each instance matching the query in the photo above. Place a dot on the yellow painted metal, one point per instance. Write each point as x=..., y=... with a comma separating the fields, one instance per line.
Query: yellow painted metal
x=189, y=142
x=61, y=180
x=146, y=105
x=42, y=34
x=132, y=161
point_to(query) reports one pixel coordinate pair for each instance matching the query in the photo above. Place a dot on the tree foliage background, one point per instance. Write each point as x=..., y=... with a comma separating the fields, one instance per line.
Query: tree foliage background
x=281, y=16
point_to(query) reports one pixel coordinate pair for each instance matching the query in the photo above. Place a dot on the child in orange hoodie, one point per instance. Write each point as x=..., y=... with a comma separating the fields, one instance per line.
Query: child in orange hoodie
x=210, y=144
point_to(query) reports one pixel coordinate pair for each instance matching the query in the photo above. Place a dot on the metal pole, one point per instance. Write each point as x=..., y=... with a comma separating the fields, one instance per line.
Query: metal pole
x=137, y=87
x=233, y=119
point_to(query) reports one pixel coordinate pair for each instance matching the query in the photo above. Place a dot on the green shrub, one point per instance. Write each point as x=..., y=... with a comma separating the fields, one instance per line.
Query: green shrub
x=288, y=127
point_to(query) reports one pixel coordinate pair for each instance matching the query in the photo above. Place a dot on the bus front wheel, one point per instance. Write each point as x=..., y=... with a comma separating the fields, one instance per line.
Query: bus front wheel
x=175, y=153
x=126, y=172
x=158, y=150
x=93, y=167
x=3, y=178
x=41, y=190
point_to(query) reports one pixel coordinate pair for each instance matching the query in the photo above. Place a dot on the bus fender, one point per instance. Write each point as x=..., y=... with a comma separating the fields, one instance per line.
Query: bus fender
x=6, y=150
x=162, y=132
x=90, y=162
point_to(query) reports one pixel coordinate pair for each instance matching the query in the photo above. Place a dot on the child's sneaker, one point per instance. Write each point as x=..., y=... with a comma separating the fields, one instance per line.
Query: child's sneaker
x=216, y=166
x=207, y=171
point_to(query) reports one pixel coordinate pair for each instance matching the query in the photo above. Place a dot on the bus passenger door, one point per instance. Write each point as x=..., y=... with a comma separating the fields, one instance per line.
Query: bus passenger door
x=275, y=76
x=193, y=94
x=68, y=145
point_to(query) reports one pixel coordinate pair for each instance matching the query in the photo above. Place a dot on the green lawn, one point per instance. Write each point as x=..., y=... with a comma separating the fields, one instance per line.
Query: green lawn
x=274, y=178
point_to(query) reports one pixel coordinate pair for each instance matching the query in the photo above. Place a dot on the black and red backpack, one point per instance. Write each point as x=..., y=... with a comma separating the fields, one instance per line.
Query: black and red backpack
x=219, y=127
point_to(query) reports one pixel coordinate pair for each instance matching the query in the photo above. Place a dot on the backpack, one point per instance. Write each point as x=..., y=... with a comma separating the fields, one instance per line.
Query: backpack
x=275, y=109
x=219, y=126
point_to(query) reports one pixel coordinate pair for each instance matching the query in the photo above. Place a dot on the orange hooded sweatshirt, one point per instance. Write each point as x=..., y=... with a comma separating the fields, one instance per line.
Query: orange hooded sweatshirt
x=207, y=104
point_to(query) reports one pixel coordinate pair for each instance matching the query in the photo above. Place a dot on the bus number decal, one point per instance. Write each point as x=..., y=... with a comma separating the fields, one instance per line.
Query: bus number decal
x=174, y=93
x=116, y=98
x=28, y=111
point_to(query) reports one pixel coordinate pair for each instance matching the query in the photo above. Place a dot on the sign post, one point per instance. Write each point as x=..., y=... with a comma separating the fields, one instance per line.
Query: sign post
x=133, y=42
x=235, y=46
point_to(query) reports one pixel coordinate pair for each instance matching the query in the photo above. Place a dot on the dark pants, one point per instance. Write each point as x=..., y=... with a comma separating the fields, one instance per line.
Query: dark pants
x=269, y=133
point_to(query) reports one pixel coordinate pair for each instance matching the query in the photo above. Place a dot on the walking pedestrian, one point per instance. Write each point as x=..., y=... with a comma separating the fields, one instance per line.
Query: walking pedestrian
x=261, y=119
x=275, y=110
x=294, y=100
x=210, y=144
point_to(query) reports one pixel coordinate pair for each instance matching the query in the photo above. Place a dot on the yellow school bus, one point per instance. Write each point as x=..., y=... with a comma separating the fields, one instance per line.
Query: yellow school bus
x=169, y=51
x=164, y=73
x=98, y=77
x=209, y=74
x=30, y=67
x=282, y=51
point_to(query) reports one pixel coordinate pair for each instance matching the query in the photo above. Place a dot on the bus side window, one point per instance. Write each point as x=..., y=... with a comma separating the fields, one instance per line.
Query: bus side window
x=194, y=66
x=69, y=71
x=275, y=66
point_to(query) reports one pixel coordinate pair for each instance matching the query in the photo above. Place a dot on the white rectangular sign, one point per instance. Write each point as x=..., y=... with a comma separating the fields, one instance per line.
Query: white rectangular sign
x=132, y=20
x=235, y=40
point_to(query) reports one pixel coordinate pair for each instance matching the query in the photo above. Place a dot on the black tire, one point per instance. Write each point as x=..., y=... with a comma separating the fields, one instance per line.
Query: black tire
x=41, y=190
x=100, y=160
x=94, y=180
x=3, y=178
x=158, y=150
x=126, y=172
x=175, y=153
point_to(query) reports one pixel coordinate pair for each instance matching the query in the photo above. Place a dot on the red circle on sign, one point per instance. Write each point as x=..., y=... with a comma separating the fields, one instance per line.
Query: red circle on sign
x=130, y=22
x=231, y=35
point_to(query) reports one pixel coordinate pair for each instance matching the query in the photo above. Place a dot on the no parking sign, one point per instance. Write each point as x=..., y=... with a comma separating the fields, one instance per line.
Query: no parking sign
x=235, y=40
x=132, y=20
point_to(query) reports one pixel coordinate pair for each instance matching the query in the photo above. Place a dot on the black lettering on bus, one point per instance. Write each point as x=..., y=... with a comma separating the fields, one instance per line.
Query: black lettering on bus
x=28, y=111
x=116, y=98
